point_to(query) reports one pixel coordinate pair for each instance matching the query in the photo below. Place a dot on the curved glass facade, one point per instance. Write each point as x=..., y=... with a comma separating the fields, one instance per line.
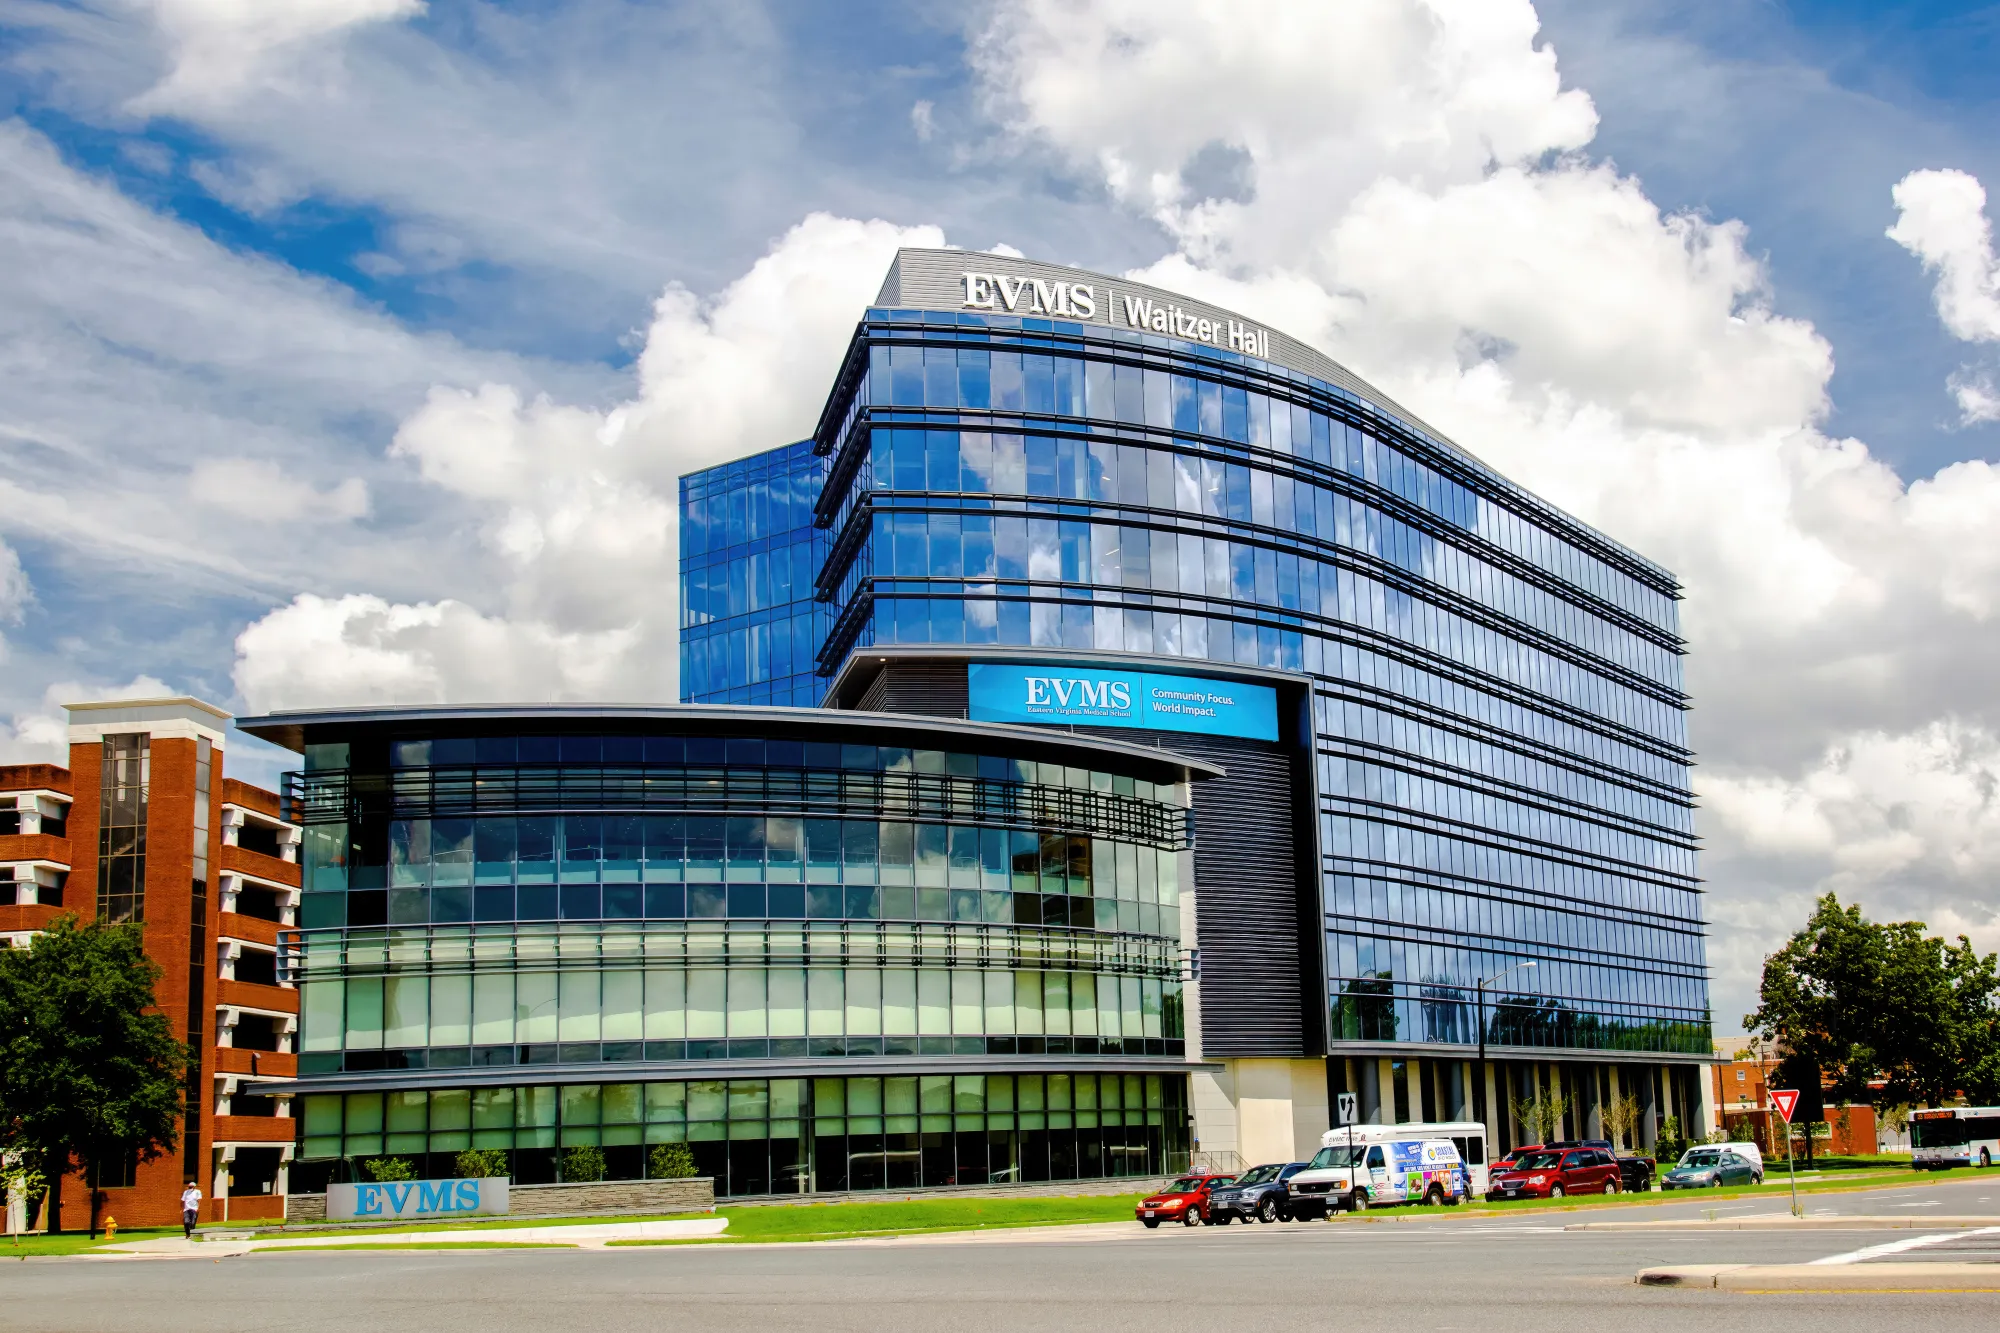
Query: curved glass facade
x=823, y=961
x=1496, y=689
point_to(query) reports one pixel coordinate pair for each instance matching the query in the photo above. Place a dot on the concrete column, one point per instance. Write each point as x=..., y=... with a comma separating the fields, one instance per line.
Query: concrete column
x=1615, y=1095
x=1494, y=1117
x=1386, y=1079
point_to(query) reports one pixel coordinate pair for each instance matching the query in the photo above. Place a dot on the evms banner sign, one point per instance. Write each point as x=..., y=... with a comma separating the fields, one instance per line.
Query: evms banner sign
x=417, y=1198
x=1083, y=697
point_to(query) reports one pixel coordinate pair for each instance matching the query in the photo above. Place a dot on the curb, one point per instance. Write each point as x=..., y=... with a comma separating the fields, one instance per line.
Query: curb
x=1820, y=1277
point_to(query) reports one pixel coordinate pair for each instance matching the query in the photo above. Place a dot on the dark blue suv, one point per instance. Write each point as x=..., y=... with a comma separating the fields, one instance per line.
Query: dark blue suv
x=1258, y=1193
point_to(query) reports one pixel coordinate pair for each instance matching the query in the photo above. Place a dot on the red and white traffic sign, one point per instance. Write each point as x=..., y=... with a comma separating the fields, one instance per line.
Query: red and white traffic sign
x=1786, y=1100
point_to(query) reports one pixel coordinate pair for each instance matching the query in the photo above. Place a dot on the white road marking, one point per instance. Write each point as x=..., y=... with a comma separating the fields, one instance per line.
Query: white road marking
x=1903, y=1246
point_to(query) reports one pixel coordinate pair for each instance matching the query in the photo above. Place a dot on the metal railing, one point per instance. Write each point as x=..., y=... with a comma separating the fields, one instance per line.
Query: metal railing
x=347, y=951
x=331, y=796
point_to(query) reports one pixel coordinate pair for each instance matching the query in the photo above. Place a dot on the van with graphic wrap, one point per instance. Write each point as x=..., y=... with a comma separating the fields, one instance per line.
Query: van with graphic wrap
x=1354, y=1177
x=1329, y=1182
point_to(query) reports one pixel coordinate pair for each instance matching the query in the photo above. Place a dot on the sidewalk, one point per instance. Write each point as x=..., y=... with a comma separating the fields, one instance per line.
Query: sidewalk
x=589, y=1236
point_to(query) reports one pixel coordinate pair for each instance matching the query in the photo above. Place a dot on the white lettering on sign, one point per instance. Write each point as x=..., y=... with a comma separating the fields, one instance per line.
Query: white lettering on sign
x=1145, y=313
x=1060, y=692
x=1034, y=296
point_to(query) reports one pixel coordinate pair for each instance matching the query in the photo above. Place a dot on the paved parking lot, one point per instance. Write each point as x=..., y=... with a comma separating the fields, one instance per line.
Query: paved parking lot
x=1440, y=1269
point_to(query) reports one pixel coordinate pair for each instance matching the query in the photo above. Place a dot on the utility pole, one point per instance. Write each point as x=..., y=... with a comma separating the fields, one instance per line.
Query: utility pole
x=1494, y=1111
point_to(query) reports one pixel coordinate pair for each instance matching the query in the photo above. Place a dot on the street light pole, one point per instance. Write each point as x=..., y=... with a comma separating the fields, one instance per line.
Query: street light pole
x=1488, y=981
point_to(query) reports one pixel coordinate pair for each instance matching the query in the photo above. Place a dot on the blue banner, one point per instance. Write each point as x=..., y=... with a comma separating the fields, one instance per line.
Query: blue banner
x=1082, y=696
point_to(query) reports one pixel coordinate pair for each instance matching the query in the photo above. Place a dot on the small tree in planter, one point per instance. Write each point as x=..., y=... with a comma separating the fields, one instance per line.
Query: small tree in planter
x=389, y=1168
x=670, y=1161
x=478, y=1163
x=582, y=1165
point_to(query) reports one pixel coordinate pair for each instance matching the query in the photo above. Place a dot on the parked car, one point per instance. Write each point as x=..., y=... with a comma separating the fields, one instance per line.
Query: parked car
x=1184, y=1200
x=1635, y=1170
x=1258, y=1193
x=1555, y=1172
x=1513, y=1157
x=1711, y=1167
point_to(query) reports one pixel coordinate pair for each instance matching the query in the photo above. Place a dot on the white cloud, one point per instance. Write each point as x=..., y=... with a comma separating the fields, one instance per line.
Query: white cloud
x=577, y=507
x=259, y=490
x=39, y=734
x=15, y=591
x=132, y=347
x=1411, y=192
x=1978, y=401
x=222, y=48
x=1941, y=219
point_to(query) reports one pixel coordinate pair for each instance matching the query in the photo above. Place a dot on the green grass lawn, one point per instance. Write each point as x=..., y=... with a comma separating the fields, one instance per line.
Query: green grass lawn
x=1776, y=1187
x=838, y=1221
x=75, y=1242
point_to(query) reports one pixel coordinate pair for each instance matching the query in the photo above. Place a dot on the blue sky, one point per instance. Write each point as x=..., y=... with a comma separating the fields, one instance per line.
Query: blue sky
x=350, y=350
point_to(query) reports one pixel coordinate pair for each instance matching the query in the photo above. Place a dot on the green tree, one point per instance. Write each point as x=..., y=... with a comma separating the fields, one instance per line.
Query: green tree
x=474, y=1163
x=1852, y=1002
x=389, y=1168
x=1622, y=1118
x=90, y=1072
x=1541, y=1116
x=582, y=1164
x=670, y=1161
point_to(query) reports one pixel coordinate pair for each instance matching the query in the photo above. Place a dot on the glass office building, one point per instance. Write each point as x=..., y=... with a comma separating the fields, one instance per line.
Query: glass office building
x=824, y=951
x=1482, y=758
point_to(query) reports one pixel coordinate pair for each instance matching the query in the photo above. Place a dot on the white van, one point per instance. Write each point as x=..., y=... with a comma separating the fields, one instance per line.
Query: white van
x=1468, y=1137
x=1384, y=1166
x=1749, y=1150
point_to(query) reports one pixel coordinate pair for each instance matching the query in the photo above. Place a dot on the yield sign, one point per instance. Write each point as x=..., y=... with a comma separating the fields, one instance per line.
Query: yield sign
x=1786, y=1100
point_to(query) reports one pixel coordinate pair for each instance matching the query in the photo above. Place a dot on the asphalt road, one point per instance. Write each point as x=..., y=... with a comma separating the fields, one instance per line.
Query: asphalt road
x=1430, y=1270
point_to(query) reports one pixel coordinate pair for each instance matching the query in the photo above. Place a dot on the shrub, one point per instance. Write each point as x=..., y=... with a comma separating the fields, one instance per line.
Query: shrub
x=475, y=1163
x=1669, y=1145
x=670, y=1161
x=389, y=1168
x=582, y=1164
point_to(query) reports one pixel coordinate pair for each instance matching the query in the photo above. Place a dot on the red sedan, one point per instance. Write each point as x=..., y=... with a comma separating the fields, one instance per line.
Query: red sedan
x=1184, y=1200
x=1552, y=1173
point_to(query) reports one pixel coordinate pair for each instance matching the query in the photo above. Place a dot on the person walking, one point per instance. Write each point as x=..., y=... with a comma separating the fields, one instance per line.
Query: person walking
x=190, y=1209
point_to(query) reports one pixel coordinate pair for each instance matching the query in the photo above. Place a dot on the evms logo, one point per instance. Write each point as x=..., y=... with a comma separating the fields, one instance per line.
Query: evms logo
x=1057, y=692
x=998, y=291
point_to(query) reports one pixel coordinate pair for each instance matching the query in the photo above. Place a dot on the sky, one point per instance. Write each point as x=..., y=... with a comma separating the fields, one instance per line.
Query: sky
x=350, y=350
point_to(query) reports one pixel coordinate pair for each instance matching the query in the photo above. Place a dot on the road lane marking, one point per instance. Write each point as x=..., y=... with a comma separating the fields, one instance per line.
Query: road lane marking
x=1903, y=1246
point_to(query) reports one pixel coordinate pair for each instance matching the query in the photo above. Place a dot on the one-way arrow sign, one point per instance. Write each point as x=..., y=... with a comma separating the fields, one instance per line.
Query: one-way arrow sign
x=1786, y=1100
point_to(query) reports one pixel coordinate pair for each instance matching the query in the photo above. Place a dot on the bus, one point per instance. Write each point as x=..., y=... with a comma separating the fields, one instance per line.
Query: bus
x=1954, y=1136
x=1468, y=1136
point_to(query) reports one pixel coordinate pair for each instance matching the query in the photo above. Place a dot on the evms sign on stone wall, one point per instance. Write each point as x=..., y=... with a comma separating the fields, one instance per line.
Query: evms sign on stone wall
x=416, y=1199
x=1081, y=696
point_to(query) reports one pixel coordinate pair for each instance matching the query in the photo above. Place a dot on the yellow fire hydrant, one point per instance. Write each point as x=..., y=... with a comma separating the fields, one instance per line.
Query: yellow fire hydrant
x=110, y=1228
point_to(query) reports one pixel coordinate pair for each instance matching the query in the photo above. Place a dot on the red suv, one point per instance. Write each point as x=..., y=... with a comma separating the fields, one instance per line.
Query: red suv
x=1184, y=1200
x=1551, y=1173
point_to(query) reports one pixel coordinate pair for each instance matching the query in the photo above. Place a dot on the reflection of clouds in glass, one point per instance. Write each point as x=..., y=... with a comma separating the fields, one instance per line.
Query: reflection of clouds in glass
x=1044, y=558
x=975, y=461
x=1187, y=485
x=980, y=611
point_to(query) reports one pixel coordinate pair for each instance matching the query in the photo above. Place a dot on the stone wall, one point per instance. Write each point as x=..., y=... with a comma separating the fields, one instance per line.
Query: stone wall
x=607, y=1198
